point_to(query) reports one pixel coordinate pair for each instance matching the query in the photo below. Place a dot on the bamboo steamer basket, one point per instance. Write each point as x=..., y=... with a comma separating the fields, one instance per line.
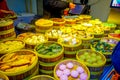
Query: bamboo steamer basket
x=50, y=58
x=36, y=72
x=3, y=76
x=6, y=28
x=86, y=42
x=32, y=40
x=11, y=46
x=53, y=34
x=42, y=77
x=58, y=22
x=111, y=41
x=22, y=36
x=22, y=72
x=95, y=69
x=4, y=36
x=6, y=24
x=106, y=53
x=69, y=20
x=112, y=26
x=70, y=49
x=48, y=66
x=9, y=16
x=98, y=35
x=75, y=65
x=8, y=38
x=42, y=25
x=46, y=72
x=85, y=18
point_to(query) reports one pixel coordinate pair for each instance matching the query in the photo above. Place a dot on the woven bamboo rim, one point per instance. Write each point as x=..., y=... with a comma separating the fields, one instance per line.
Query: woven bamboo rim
x=47, y=77
x=46, y=72
x=25, y=72
x=33, y=71
x=53, y=58
x=75, y=62
x=7, y=23
x=8, y=38
x=90, y=51
x=7, y=31
x=6, y=27
x=7, y=35
x=48, y=66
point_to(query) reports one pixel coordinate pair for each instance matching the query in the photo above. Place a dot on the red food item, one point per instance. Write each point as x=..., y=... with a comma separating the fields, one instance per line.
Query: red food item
x=115, y=35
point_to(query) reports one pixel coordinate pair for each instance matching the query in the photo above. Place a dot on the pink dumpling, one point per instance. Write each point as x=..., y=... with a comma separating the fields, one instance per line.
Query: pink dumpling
x=74, y=74
x=83, y=76
x=70, y=65
x=80, y=70
x=63, y=77
x=59, y=73
x=62, y=67
x=66, y=72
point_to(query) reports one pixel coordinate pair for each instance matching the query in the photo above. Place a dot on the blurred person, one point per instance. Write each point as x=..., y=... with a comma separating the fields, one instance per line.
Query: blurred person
x=87, y=7
x=54, y=8
x=4, y=10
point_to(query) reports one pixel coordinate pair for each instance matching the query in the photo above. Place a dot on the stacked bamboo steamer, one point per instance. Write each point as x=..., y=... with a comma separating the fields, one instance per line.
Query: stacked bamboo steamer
x=49, y=54
x=7, y=30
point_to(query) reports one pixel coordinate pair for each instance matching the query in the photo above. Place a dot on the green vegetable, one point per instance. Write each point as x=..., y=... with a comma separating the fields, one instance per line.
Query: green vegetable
x=39, y=47
x=48, y=49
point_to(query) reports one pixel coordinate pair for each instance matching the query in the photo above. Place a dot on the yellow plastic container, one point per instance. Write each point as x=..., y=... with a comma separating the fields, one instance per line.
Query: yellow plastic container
x=22, y=67
x=76, y=64
x=3, y=76
x=42, y=77
x=50, y=58
x=86, y=56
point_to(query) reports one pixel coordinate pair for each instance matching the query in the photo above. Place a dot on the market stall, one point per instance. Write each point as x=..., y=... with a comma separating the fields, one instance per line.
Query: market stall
x=74, y=47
